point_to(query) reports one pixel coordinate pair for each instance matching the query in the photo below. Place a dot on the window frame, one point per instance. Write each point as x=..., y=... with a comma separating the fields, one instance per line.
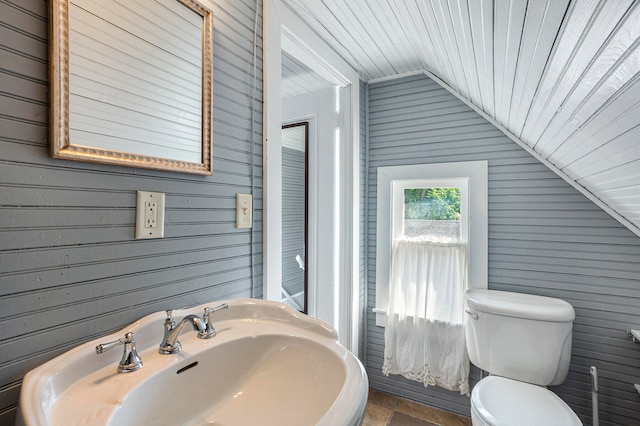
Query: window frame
x=475, y=173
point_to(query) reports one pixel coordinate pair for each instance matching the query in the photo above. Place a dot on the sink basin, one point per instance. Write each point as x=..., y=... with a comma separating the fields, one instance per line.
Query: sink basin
x=267, y=365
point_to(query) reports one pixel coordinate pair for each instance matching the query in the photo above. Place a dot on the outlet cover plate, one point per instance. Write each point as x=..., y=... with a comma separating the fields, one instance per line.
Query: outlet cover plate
x=149, y=215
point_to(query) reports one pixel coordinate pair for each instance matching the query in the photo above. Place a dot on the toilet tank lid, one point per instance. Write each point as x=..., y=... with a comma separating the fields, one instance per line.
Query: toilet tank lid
x=520, y=305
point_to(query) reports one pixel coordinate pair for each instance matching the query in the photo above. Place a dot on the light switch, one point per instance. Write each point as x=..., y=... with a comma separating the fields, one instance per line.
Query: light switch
x=149, y=215
x=244, y=207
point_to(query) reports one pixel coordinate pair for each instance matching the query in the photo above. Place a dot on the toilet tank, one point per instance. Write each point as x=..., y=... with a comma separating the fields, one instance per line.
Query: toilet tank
x=519, y=336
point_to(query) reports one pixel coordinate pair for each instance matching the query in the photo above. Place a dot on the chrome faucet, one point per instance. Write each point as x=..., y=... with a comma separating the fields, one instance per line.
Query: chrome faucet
x=130, y=360
x=170, y=343
x=209, y=331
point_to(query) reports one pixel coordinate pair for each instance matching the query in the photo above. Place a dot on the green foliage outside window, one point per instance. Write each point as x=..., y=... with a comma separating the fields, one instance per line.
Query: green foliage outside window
x=432, y=203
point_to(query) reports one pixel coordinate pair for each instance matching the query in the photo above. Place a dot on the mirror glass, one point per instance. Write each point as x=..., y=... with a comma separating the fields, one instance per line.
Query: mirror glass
x=132, y=83
x=295, y=139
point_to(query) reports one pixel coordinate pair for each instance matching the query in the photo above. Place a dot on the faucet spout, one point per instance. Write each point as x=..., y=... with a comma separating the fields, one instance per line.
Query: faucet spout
x=170, y=343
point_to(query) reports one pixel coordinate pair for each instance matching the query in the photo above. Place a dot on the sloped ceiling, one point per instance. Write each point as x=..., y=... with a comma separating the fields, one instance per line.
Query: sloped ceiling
x=561, y=76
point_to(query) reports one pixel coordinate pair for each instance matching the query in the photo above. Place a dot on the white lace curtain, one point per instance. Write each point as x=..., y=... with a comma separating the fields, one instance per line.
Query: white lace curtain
x=424, y=334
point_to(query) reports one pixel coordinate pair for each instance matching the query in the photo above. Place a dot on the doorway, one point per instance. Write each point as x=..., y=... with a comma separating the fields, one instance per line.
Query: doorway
x=335, y=285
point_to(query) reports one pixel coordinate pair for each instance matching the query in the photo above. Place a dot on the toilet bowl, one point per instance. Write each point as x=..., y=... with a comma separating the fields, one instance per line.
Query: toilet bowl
x=524, y=342
x=501, y=401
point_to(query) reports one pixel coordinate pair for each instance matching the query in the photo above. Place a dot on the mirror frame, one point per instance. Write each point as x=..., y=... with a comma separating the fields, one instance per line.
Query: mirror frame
x=60, y=144
x=305, y=124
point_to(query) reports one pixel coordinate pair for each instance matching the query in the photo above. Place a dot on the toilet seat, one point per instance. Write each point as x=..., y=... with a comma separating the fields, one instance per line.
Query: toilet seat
x=498, y=401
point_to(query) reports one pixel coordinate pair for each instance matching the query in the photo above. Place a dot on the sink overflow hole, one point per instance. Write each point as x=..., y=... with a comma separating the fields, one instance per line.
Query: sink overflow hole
x=185, y=368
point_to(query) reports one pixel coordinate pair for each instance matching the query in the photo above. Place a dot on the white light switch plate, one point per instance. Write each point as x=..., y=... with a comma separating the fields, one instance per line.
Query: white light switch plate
x=244, y=207
x=149, y=215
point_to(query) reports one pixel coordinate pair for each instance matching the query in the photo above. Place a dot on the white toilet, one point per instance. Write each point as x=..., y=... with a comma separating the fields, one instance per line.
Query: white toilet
x=524, y=342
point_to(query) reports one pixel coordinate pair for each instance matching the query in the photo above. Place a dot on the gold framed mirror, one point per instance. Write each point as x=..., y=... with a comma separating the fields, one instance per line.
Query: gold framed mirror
x=131, y=83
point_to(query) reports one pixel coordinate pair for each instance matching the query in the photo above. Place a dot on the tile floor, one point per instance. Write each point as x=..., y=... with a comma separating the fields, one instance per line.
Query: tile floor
x=384, y=409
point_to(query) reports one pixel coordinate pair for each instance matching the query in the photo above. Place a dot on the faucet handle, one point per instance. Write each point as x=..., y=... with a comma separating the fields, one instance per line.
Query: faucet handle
x=209, y=331
x=102, y=348
x=209, y=310
x=130, y=360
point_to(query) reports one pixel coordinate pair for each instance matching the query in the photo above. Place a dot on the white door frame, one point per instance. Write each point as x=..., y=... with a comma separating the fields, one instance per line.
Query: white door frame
x=343, y=279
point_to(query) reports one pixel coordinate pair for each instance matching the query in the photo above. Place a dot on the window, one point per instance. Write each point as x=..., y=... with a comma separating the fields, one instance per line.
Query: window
x=432, y=209
x=446, y=201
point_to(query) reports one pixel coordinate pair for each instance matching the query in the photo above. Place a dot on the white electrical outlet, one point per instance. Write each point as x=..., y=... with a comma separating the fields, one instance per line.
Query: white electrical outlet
x=149, y=215
x=244, y=207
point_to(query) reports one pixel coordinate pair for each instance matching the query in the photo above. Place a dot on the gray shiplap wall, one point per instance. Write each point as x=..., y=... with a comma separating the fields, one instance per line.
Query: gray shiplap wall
x=293, y=219
x=544, y=238
x=70, y=269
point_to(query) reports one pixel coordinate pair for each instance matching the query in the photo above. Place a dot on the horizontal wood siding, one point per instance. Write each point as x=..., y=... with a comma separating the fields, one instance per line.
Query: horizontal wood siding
x=293, y=219
x=70, y=269
x=544, y=238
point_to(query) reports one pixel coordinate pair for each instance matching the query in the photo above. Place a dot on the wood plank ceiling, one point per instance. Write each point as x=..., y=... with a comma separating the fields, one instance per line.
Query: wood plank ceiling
x=298, y=79
x=560, y=75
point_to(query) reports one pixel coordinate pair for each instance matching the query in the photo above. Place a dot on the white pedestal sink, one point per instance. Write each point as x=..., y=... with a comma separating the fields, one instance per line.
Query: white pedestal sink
x=267, y=365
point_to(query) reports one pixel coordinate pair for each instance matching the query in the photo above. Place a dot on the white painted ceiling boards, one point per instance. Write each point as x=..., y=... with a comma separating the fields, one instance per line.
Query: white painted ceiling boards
x=560, y=76
x=299, y=79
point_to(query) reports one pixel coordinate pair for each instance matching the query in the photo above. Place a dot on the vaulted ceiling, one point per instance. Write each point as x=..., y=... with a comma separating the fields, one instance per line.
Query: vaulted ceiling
x=561, y=76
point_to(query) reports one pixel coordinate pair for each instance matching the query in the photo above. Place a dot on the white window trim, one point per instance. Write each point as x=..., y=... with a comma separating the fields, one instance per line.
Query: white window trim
x=477, y=174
